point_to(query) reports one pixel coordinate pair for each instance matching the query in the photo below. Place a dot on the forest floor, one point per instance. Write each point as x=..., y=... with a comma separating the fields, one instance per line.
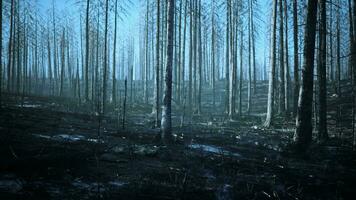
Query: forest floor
x=48, y=150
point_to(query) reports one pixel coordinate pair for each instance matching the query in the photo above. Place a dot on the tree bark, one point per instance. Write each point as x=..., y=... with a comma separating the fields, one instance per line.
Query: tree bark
x=157, y=92
x=322, y=73
x=281, y=61
x=145, y=91
x=87, y=46
x=303, y=133
x=183, y=53
x=249, y=85
x=9, y=63
x=354, y=65
x=1, y=54
x=114, y=94
x=190, y=83
x=62, y=63
x=167, y=100
x=271, y=84
x=296, y=57
x=213, y=50
x=200, y=60
x=105, y=56
x=227, y=66
x=286, y=59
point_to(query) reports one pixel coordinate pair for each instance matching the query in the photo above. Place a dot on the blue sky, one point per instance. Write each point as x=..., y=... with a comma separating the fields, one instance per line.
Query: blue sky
x=128, y=27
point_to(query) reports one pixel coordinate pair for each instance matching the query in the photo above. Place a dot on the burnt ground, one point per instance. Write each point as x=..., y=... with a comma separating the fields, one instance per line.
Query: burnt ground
x=50, y=149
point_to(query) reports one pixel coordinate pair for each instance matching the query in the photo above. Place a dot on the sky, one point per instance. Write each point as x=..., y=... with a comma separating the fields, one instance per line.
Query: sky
x=128, y=27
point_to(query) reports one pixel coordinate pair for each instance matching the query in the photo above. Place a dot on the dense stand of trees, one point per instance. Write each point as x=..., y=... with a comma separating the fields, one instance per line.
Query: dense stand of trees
x=189, y=51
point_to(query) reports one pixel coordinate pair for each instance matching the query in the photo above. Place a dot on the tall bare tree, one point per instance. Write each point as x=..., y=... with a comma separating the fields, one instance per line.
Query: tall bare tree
x=10, y=60
x=166, y=123
x=87, y=46
x=281, y=60
x=105, y=64
x=296, y=56
x=114, y=94
x=323, y=135
x=303, y=133
x=271, y=85
x=0, y=54
x=157, y=91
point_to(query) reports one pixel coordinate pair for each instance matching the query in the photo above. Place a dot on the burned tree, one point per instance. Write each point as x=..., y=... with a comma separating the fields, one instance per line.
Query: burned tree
x=167, y=101
x=303, y=133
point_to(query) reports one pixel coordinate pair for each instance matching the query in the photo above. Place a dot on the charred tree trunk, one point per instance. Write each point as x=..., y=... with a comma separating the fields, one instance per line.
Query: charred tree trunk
x=281, y=61
x=87, y=46
x=227, y=66
x=200, y=56
x=182, y=89
x=1, y=54
x=296, y=57
x=322, y=72
x=286, y=59
x=9, y=62
x=303, y=133
x=353, y=55
x=114, y=94
x=249, y=85
x=338, y=65
x=167, y=101
x=179, y=66
x=213, y=51
x=62, y=46
x=190, y=83
x=157, y=92
x=270, y=110
x=105, y=56
x=145, y=90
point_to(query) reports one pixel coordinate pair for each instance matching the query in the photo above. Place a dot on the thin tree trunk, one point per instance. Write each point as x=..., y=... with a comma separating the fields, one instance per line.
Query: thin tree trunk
x=145, y=91
x=183, y=53
x=354, y=67
x=167, y=101
x=190, y=84
x=249, y=85
x=241, y=71
x=55, y=66
x=10, y=46
x=179, y=83
x=200, y=60
x=114, y=94
x=213, y=50
x=18, y=51
x=296, y=57
x=303, y=133
x=157, y=92
x=97, y=61
x=62, y=63
x=105, y=56
x=195, y=55
x=281, y=61
x=124, y=109
x=338, y=65
x=1, y=54
x=323, y=135
x=271, y=85
x=232, y=63
x=331, y=44
x=286, y=59
x=227, y=66
x=253, y=50
x=87, y=46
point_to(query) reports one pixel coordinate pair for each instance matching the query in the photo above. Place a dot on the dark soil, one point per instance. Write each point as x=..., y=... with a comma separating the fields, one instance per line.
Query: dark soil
x=54, y=150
